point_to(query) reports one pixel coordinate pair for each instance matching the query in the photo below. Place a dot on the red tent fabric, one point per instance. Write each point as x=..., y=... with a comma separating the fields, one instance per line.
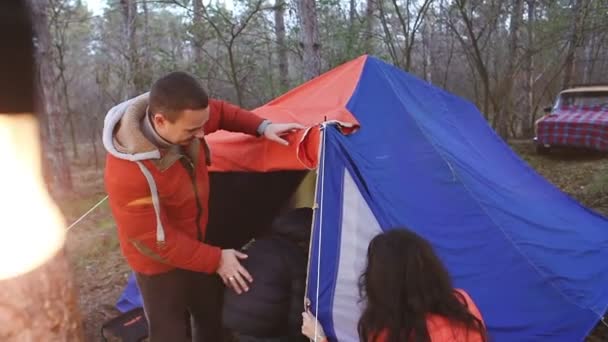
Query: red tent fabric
x=319, y=100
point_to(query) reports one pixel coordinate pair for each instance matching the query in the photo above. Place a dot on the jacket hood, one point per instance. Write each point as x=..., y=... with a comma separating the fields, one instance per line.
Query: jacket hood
x=122, y=135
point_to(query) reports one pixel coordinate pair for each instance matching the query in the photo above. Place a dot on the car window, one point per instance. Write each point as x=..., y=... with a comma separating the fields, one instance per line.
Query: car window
x=584, y=99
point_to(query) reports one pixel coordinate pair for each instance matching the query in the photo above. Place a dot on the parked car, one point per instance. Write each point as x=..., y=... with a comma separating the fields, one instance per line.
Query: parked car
x=578, y=118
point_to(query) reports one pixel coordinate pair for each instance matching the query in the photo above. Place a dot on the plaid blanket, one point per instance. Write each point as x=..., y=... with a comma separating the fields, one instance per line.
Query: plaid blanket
x=575, y=126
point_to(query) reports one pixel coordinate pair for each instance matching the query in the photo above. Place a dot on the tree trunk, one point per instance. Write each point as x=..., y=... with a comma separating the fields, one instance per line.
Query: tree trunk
x=405, y=31
x=388, y=36
x=197, y=23
x=59, y=163
x=129, y=12
x=59, y=32
x=37, y=301
x=69, y=117
x=449, y=62
x=427, y=63
x=94, y=139
x=279, y=22
x=573, y=42
x=506, y=108
x=234, y=76
x=588, y=60
x=352, y=13
x=476, y=55
x=591, y=41
x=528, y=126
x=409, y=29
x=146, y=71
x=369, y=25
x=309, y=38
x=269, y=79
x=352, y=33
x=236, y=29
x=40, y=305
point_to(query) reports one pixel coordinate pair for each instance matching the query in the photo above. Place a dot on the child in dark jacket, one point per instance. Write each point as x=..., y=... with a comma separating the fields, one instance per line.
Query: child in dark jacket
x=271, y=309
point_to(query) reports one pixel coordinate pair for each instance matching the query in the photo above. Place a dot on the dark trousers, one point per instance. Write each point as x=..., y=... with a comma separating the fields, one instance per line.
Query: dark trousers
x=170, y=298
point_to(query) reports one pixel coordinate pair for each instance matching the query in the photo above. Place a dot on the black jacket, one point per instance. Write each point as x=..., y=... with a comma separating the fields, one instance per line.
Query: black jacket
x=274, y=303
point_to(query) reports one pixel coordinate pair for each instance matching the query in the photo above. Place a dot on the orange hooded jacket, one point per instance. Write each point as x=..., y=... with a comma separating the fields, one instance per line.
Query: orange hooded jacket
x=160, y=207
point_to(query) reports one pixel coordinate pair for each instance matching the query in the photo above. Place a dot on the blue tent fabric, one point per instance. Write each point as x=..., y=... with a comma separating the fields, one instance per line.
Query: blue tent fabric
x=532, y=258
x=131, y=297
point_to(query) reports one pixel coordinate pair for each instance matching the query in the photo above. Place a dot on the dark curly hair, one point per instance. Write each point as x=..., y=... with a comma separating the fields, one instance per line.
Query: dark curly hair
x=403, y=283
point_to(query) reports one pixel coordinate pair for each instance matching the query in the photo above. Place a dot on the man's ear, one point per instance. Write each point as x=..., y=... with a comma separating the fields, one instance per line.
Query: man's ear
x=159, y=119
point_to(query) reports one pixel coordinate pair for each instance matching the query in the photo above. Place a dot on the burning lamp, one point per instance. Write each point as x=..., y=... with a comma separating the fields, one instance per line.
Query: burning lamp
x=37, y=301
x=31, y=226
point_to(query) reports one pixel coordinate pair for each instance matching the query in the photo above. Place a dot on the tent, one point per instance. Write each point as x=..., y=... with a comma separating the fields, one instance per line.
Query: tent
x=391, y=150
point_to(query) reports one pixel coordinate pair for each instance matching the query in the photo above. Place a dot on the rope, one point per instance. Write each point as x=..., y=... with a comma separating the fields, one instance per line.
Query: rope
x=87, y=213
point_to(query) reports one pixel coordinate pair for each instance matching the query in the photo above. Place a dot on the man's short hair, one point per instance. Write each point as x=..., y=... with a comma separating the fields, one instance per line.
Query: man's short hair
x=176, y=92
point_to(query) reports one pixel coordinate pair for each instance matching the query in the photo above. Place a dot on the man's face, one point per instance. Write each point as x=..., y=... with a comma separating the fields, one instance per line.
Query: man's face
x=186, y=128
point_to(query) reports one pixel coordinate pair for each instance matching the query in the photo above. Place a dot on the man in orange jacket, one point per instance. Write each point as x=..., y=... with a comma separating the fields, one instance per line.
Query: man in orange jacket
x=158, y=185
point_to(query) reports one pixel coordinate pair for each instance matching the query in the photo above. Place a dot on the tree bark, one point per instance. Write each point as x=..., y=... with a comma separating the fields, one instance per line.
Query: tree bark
x=405, y=30
x=59, y=20
x=449, y=62
x=309, y=39
x=573, y=42
x=352, y=32
x=230, y=43
x=352, y=13
x=197, y=21
x=58, y=161
x=129, y=12
x=146, y=70
x=40, y=305
x=37, y=301
x=369, y=26
x=270, y=65
x=588, y=61
x=388, y=36
x=409, y=29
x=65, y=93
x=279, y=22
x=529, y=116
x=94, y=140
x=506, y=108
x=427, y=63
x=234, y=76
x=68, y=109
x=592, y=43
x=476, y=55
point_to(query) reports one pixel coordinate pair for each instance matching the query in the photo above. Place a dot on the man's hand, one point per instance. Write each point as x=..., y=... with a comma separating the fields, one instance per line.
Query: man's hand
x=275, y=131
x=232, y=273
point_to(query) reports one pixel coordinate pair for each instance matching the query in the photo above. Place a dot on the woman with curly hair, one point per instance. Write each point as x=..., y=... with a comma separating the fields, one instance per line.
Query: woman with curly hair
x=409, y=296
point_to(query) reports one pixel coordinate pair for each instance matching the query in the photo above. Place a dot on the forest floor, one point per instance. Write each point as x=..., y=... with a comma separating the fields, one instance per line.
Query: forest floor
x=100, y=272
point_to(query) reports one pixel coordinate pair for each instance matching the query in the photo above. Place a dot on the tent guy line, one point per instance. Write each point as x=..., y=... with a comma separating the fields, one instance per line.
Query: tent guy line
x=87, y=213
